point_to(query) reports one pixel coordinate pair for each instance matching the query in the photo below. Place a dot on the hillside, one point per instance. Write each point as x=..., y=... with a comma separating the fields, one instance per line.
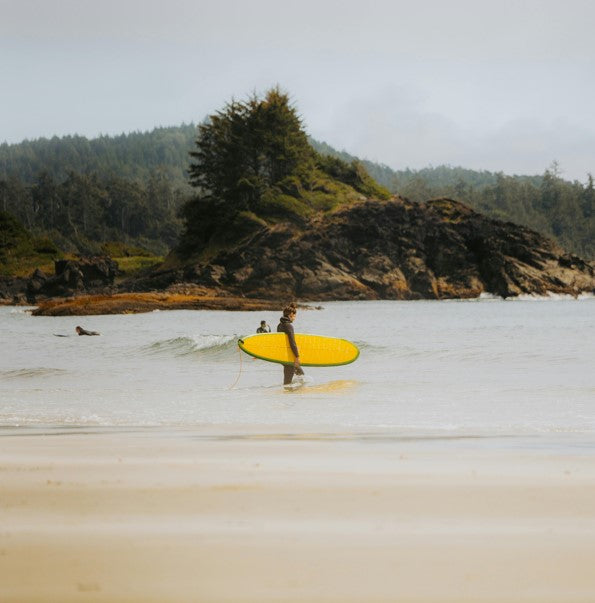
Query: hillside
x=20, y=252
x=547, y=203
x=134, y=156
x=391, y=249
x=557, y=208
x=272, y=218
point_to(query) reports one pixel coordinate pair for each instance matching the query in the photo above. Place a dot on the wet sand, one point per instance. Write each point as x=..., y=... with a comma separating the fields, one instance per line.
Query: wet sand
x=201, y=516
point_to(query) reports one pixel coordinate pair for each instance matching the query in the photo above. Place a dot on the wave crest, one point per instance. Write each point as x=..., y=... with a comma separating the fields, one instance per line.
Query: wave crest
x=28, y=373
x=184, y=346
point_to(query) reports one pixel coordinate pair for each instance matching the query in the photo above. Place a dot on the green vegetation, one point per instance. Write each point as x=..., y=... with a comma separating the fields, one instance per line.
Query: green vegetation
x=253, y=165
x=559, y=209
x=136, y=264
x=131, y=260
x=132, y=157
x=83, y=212
x=130, y=189
x=21, y=253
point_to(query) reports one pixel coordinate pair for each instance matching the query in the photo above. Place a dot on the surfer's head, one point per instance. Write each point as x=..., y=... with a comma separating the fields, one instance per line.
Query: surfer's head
x=290, y=311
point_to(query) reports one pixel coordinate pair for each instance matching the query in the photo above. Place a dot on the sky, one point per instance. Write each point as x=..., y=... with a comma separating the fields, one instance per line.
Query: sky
x=487, y=85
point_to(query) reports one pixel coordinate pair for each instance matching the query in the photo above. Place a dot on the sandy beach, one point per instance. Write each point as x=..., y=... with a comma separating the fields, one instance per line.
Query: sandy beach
x=146, y=515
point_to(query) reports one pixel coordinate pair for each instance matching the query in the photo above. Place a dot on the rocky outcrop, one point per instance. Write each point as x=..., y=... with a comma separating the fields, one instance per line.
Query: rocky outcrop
x=192, y=298
x=392, y=249
x=13, y=290
x=92, y=274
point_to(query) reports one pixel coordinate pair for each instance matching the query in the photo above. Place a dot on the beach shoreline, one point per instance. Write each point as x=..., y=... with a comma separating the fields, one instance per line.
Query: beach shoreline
x=229, y=514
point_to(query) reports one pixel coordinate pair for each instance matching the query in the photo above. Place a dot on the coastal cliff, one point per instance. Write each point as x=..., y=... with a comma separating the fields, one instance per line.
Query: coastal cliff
x=388, y=249
x=372, y=249
x=272, y=219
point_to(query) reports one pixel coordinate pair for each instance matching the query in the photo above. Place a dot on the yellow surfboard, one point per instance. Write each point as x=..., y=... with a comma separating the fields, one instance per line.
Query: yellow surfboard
x=315, y=350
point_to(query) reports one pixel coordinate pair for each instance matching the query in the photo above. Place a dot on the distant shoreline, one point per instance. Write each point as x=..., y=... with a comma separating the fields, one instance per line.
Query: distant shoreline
x=136, y=303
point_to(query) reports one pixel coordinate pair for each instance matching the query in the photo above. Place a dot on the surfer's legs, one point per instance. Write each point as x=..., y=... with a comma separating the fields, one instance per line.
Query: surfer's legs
x=288, y=370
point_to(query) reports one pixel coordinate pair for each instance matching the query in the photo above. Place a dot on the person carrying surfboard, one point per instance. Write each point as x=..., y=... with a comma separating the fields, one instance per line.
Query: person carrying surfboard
x=285, y=326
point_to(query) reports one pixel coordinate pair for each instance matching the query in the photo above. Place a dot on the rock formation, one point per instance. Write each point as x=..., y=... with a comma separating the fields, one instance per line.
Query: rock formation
x=393, y=249
x=89, y=274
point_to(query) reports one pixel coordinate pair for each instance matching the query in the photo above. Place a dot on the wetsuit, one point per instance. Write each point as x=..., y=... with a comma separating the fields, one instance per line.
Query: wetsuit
x=82, y=331
x=286, y=327
x=266, y=329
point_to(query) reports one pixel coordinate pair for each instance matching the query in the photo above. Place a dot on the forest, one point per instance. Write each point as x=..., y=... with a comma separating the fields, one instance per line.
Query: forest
x=82, y=193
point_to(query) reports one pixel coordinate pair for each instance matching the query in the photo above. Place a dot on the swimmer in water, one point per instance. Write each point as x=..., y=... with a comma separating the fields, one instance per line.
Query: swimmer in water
x=81, y=331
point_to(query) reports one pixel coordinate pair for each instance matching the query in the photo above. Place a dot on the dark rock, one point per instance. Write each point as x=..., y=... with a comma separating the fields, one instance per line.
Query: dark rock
x=393, y=249
x=13, y=290
x=86, y=275
x=398, y=250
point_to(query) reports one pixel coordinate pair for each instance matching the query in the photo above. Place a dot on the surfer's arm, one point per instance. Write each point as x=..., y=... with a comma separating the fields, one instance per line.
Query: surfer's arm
x=292, y=344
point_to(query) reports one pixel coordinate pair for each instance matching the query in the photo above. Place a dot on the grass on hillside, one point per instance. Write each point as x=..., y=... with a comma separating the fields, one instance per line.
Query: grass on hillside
x=132, y=265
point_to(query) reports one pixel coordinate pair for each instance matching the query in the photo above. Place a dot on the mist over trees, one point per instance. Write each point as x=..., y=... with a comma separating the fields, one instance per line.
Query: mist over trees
x=134, y=156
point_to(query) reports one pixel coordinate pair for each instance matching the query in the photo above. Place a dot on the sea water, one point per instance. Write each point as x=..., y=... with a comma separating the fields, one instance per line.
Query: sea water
x=476, y=368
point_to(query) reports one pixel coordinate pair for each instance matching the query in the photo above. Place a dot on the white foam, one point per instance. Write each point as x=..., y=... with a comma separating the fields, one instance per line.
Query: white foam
x=485, y=296
x=204, y=342
x=551, y=297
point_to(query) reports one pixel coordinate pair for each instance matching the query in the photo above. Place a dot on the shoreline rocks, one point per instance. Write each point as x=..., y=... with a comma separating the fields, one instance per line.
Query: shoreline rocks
x=393, y=249
x=88, y=274
x=133, y=303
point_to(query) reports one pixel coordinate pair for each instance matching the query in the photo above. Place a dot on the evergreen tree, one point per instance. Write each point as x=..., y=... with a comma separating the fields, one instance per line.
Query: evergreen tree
x=248, y=148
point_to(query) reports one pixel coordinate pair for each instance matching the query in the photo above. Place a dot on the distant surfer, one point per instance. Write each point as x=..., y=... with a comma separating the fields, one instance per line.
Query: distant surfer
x=81, y=331
x=285, y=326
x=263, y=328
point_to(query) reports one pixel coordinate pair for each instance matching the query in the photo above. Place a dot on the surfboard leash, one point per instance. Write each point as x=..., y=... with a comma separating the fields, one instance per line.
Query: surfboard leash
x=239, y=372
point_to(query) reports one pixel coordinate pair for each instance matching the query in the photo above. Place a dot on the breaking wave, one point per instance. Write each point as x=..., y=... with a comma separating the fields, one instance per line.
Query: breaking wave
x=29, y=373
x=201, y=345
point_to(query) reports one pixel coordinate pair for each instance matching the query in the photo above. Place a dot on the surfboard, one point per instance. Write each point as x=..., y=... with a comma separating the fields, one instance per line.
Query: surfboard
x=315, y=350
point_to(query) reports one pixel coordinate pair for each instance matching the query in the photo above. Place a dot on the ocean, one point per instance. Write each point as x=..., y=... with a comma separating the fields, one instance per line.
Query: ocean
x=486, y=368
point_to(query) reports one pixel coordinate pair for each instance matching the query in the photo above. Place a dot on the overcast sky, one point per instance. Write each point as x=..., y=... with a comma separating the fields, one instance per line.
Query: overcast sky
x=484, y=84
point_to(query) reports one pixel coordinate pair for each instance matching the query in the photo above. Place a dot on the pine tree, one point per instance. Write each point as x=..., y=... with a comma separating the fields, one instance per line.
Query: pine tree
x=248, y=148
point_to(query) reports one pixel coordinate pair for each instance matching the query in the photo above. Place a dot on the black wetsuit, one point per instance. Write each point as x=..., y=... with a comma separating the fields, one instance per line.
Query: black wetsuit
x=266, y=329
x=286, y=327
x=82, y=331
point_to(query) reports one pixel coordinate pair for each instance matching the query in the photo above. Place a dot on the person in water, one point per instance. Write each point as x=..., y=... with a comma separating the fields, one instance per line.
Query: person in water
x=285, y=326
x=81, y=331
x=263, y=328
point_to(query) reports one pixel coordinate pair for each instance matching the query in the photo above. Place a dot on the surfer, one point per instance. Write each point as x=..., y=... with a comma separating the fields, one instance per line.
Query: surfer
x=285, y=326
x=81, y=331
x=263, y=328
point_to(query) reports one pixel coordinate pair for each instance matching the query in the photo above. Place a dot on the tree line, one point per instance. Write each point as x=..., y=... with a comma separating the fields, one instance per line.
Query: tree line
x=129, y=187
x=557, y=208
x=134, y=156
x=82, y=211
